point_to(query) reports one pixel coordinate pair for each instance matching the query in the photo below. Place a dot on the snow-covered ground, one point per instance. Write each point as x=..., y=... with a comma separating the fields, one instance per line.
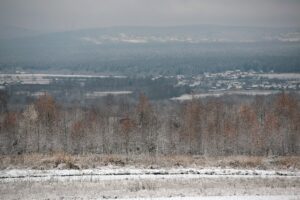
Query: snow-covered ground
x=23, y=75
x=107, y=173
x=159, y=184
x=106, y=93
x=229, y=92
x=283, y=76
x=44, y=79
x=279, y=197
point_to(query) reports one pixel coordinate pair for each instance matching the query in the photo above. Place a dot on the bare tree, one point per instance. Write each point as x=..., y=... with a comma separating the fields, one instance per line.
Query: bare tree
x=192, y=125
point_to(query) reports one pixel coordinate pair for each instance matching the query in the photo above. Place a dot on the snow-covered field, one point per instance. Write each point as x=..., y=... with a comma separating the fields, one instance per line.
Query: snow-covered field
x=106, y=93
x=222, y=93
x=137, y=183
x=225, y=198
x=282, y=76
x=108, y=173
x=44, y=79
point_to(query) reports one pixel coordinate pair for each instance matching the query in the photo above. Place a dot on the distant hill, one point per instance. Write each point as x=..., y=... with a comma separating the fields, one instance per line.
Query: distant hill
x=9, y=32
x=154, y=50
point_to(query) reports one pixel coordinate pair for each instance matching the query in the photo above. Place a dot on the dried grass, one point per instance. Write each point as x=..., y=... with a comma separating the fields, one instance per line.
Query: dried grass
x=142, y=185
x=49, y=161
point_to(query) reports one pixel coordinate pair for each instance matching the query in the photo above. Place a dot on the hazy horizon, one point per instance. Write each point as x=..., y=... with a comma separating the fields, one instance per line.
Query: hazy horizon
x=149, y=37
x=65, y=15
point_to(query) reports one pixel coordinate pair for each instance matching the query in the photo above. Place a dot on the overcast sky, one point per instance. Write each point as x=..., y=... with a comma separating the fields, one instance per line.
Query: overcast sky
x=60, y=15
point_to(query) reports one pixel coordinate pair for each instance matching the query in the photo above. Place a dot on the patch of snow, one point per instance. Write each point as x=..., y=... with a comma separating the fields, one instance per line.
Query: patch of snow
x=106, y=93
x=280, y=197
x=58, y=75
x=43, y=78
x=224, y=92
x=37, y=94
x=92, y=40
x=283, y=76
x=181, y=83
x=136, y=173
x=196, y=83
x=135, y=41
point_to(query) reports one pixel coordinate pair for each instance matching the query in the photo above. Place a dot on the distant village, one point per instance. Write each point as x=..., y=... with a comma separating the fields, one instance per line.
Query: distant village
x=239, y=80
x=21, y=85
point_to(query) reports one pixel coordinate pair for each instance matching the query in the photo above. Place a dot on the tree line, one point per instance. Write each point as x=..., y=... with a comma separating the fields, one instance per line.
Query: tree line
x=262, y=125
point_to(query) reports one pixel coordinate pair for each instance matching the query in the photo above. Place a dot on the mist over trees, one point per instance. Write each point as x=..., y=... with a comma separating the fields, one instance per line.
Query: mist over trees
x=261, y=125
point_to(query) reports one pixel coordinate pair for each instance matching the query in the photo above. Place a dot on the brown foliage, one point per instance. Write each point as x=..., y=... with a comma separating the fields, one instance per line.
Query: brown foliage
x=271, y=123
x=78, y=128
x=285, y=104
x=10, y=120
x=288, y=111
x=3, y=100
x=126, y=125
x=247, y=115
x=249, y=118
x=144, y=111
x=212, y=126
x=47, y=108
x=250, y=124
x=192, y=118
x=230, y=128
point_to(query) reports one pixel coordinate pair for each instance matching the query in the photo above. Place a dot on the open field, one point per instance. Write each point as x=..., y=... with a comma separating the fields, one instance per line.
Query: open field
x=260, y=188
x=150, y=100
x=63, y=176
x=147, y=183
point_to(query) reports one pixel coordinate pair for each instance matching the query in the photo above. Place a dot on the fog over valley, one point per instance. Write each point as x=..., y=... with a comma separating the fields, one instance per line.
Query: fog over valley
x=150, y=99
